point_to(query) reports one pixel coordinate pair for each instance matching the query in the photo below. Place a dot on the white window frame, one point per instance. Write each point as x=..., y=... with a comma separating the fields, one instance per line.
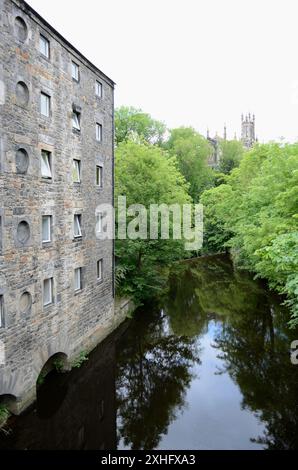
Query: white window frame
x=99, y=176
x=98, y=132
x=75, y=71
x=50, y=299
x=99, y=269
x=98, y=88
x=44, y=46
x=76, y=171
x=2, y=318
x=78, y=279
x=76, y=120
x=99, y=219
x=46, y=162
x=77, y=229
x=48, y=238
x=47, y=104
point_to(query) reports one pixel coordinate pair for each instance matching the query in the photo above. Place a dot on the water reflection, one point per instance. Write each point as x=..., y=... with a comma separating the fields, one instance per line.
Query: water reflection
x=218, y=354
x=207, y=368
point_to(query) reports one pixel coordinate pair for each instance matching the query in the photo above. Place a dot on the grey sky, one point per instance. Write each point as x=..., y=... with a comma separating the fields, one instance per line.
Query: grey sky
x=193, y=62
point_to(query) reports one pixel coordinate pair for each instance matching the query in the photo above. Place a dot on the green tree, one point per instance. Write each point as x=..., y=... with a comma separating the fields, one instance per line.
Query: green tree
x=255, y=214
x=231, y=155
x=147, y=175
x=192, y=151
x=133, y=124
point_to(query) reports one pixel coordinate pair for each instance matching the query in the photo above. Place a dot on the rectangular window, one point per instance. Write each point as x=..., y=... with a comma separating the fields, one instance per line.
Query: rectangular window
x=99, y=219
x=46, y=228
x=98, y=132
x=45, y=101
x=75, y=71
x=76, y=171
x=78, y=279
x=1, y=312
x=77, y=226
x=99, y=174
x=46, y=164
x=44, y=46
x=98, y=89
x=76, y=120
x=99, y=269
x=48, y=291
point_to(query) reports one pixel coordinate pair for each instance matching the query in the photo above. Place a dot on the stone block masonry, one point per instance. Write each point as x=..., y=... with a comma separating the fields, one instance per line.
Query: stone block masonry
x=56, y=130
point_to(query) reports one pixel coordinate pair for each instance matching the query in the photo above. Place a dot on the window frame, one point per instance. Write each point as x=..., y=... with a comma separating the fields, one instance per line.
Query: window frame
x=77, y=222
x=48, y=164
x=80, y=279
x=76, y=120
x=99, y=176
x=48, y=104
x=75, y=67
x=99, y=219
x=99, y=269
x=44, y=40
x=76, y=169
x=98, y=86
x=49, y=228
x=51, y=291
x=100, y=133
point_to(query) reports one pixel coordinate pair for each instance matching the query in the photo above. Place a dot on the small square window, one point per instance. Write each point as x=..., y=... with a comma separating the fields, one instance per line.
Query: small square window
x=48, y=291
x=77, y=231
x=99, y=176
x=44, y=46
x=46, y=228
x=98, y=132
x=76, y=171
x=98, y=89
x=99, y=266
x=2, y=322
x=45, y=104
x=46, y=164
x=75, y=71
x=76, y=120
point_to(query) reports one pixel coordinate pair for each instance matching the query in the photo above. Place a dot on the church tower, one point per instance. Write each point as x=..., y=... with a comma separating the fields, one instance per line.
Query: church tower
x=248, y=130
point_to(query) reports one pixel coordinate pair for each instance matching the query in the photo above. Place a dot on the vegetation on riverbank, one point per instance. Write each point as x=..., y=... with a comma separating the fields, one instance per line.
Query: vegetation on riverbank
x=254, y=214
x=250, y=203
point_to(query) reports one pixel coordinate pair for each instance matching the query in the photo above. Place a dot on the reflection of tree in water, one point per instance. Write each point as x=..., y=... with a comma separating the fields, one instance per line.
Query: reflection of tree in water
x=256, y=354
x=154, y=372
x=253, y=339
x=155, y=366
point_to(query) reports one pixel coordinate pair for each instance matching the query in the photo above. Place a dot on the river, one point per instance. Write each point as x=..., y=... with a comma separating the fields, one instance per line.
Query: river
x=207, y=368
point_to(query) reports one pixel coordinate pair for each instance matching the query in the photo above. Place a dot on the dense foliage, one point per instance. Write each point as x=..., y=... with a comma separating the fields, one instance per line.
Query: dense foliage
x=192, y=152
x=250, y=202
x=146, y=175
x=134, y=124
x=254, y=214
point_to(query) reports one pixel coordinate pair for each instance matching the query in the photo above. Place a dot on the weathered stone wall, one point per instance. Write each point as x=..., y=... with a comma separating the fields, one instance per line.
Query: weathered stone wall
x=74, y=321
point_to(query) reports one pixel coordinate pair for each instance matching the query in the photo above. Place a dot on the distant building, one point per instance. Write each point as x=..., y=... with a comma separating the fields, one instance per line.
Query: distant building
x=248, y=130
x=215, y=156
x=248, y=139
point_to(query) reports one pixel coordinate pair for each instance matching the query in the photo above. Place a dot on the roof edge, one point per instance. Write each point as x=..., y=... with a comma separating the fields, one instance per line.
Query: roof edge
x=28, y=9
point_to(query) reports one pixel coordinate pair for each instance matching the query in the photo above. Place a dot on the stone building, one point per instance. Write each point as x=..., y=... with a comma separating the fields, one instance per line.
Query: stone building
x=215, y=156
x=56, y=167
x=248, y=137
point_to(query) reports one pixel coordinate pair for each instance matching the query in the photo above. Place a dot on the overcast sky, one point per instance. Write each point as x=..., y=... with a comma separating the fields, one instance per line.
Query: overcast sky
x=192, y=62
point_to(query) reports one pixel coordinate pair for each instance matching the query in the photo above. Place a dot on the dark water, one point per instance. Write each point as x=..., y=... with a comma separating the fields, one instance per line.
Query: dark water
x=209, y=368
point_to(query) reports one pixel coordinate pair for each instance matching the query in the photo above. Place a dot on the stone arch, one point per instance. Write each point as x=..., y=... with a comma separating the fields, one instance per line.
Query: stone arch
x=56, y=361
